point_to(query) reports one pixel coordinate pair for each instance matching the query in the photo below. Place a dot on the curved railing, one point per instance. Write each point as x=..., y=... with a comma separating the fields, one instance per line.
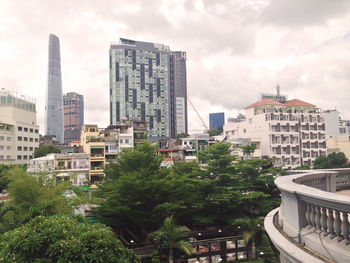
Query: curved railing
x=313, y=214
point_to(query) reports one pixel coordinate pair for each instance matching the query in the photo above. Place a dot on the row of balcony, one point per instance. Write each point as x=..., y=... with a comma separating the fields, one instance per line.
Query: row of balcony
x=312, y=223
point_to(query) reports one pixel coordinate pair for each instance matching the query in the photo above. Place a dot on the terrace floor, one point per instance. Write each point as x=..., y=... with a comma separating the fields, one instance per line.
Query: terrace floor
x=344, y=192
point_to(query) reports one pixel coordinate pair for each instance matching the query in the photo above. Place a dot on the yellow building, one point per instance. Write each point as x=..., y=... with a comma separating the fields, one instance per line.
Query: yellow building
x=94, y=145
x=341, y=144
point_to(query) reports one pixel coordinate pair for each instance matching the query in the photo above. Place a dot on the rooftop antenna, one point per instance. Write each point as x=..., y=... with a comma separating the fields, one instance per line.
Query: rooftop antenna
x=278, y=90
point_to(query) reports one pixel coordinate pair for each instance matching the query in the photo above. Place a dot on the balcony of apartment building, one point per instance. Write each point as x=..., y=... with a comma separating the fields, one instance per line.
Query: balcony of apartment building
x=321, y=127
x=320, y=118
x=97, y=152
x=285, y=128
x=312, y=223
x=294, y=128
x=313, y=127
x=305, y=136
x=286, y=161
x=295, y=161
x=275, y=139
x=304, y=118
x=313, y=136
x=321, y=136
x=305, y=127
x=294, y=150
x=63, y=164
x=314, y=145
x=95, y=139
x=285, y=139
x=294, y=139
x=275, y=128
x=306, y=145
x=286, y=150
x=306, y=154
x=314, y=154
x=276, y=150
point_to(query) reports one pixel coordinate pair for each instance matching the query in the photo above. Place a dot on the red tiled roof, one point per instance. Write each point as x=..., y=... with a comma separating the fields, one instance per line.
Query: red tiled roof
x=297, y=102
x=3, y=198
x=265, y=102
x=168, y=159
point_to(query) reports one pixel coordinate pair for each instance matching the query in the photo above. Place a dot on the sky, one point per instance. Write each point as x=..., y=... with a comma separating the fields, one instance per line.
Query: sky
x=236, y=49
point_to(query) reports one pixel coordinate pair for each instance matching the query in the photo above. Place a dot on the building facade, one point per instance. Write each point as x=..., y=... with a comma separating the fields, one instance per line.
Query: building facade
x=54, y=100
x=216, y=120
x=73, y=104
x=180, y=91
x=142, y=85
x=292, y=133
x=72, y=166
x=19, y=132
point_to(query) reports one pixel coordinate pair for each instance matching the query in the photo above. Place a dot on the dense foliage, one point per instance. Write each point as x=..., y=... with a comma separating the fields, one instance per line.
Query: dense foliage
x=4, y=169
x=63, y=239
x=43, y=150
x=138, y=195
x=332, y=160
x=31, y=196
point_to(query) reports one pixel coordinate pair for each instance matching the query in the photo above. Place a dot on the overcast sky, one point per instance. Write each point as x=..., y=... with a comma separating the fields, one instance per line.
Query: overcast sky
x=236, y=50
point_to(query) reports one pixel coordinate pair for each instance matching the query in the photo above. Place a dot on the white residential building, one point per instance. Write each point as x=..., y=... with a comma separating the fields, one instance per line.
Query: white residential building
x=19, y=132
x=72, y=166
x=291, y=133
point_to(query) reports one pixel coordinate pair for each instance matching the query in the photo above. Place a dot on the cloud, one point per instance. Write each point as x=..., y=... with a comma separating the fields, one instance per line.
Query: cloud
x=235, y=49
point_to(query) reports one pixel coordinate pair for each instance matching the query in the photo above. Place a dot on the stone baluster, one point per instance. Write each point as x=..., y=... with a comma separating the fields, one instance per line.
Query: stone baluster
x=330, y=223
x=318, y=218
x=324, y=220
x=345, y=226
x=337, y=225
x=312, y=216
x=307, y=215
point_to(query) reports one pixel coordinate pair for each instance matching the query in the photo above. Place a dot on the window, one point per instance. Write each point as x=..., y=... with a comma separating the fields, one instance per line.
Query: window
x=8, y=148
x=19, y=138
x=30, y=139
x=25, y=139
x=19, y=148
x=25, y=157
x=1, y=157
x=121, y=140
x=244, y=130
x=2, y=147
x=31, y=149
x=19, y=128
x=8, y=139
x=36, y=139
x=19, y=157
x=126, y=140
x=2, y=138
x=26, y=129
x=31, y=130
x=36, y=131
x=8, y=157
x=25, y=148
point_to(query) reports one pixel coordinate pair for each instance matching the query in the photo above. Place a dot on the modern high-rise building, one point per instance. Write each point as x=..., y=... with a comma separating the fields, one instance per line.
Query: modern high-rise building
x=180, y=91
x=54, y=100
x=147, y=81
x=216, y=120
x=73, y=104
x=19, y=132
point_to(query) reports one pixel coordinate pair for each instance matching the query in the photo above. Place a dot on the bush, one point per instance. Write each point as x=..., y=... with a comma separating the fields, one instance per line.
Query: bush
x=63, y=239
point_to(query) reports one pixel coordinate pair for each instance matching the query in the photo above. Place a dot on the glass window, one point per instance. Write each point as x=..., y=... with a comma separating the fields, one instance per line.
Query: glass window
x=25, y=148
x=8, y=139
x=8, y=148
x=25, y=139
x=31, y=130
x=2, y=147
x=2, y=138
x=19, y=128
x=26, y=129
x=19, y=138
x=19, y=157
x=19, y=148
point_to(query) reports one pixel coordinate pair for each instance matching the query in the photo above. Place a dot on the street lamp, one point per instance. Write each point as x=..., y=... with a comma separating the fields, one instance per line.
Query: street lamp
x=261, y=253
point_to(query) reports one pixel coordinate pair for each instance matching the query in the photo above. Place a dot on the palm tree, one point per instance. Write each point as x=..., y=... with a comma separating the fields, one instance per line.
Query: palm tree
x=252, y=226
x=173, y=236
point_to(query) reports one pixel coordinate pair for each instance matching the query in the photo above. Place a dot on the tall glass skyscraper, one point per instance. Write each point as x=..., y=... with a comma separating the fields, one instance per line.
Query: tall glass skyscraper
x=73, y=104
x=142, y=86
x=54, y=100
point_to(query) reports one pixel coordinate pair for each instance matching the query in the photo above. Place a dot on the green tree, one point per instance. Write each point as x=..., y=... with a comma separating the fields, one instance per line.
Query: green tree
x=252, y=227
x=333, y=160
x=265, y=248
x=182, y=135
x=4, y=169
x=43, y=150
x=32, y=196
x=173, y=237
x=63, y=239
x=248, y=150
x=216, y=132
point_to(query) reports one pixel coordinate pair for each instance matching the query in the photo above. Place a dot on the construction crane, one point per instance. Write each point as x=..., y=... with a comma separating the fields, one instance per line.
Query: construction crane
x=199, y=116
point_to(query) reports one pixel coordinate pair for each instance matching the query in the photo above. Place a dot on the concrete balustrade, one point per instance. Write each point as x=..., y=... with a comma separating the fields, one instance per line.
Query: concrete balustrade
x=312, y=215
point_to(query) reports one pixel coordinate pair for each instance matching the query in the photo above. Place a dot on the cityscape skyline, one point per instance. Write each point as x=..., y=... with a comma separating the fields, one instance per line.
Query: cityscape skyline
x=235, y=51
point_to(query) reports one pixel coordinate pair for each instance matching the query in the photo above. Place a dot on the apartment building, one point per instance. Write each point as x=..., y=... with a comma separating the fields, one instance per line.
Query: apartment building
x=73, y=104
x=72, y=166
x=292, y=133
x=93, y=144
x=19, y=132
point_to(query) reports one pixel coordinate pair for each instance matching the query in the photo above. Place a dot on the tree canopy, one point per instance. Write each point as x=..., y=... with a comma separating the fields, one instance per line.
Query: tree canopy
x=63, y=239
x=32, y=196
x=138, y=195
x=43, y=150
x=332, y=160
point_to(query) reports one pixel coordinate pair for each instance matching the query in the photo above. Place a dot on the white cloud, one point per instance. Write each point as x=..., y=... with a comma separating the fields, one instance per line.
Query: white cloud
x=235, y=49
